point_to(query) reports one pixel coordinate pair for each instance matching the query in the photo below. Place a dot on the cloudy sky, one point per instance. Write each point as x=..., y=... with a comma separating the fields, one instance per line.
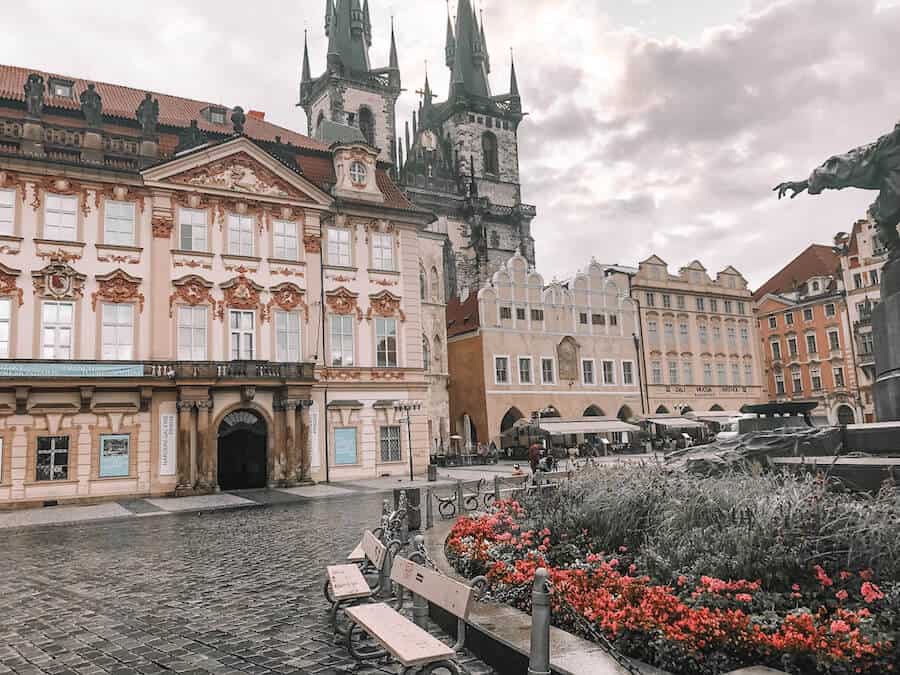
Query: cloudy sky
x=654, y=126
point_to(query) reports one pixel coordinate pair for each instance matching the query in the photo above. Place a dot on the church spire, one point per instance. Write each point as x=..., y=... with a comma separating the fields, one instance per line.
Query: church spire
x=305, y=74
x=329, y=16
x=469, y=67
x=367, y=24
x=513, y=80
x=394, y=63
x=450, y=45
x=484, y=46
x=348, y=50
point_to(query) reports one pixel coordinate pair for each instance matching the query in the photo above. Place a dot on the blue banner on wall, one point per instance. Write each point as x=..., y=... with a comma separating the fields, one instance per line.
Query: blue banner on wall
x=67, y=369
x=345, y=446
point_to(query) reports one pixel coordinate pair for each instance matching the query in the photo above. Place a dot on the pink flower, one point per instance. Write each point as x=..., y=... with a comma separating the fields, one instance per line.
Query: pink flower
x=871, y=592
x=841, y=595
x=839, y=626
x=795, y=587
x=743, y=597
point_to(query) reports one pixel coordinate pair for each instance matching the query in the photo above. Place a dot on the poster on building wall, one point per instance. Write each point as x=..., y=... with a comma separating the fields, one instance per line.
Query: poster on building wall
x=345, y=446
x=114, y=455
x=167, y=444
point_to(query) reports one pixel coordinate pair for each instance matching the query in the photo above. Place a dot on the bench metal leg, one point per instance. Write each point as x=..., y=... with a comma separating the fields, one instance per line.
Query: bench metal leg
x=329, y=596
x=441, y=665
x=361, y=646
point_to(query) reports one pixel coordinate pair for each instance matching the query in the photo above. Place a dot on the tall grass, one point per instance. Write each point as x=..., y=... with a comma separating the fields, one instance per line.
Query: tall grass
x=771, y=526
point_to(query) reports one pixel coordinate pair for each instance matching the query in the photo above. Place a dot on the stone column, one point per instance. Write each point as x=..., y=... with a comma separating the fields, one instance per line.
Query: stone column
x=185, y=420
x=305, y=458
x=290, y=440
x=886, y=329
x=207, y=459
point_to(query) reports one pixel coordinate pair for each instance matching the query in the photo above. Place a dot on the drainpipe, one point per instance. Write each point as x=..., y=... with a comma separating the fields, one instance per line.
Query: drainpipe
x=324, y=428
x=638, y=342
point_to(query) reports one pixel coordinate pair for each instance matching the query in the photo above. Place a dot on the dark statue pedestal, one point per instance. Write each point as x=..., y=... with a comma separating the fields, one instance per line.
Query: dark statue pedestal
x=886, y=330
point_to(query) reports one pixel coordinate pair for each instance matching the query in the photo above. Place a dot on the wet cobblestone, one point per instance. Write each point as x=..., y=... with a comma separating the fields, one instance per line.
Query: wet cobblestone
x=226, y=593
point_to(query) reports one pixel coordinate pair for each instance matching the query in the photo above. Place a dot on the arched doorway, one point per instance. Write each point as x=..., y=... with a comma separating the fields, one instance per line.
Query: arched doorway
x=593, y=411
x=243, y=460
x=716, y=408
x=662, y=410
x=845, y=415
x=512, y=416
x=550, y=411
x=625, y=413
x=686, y=409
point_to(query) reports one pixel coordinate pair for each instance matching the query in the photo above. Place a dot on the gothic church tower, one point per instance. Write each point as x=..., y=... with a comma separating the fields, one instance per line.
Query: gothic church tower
x=351, y=100
x=462, y=161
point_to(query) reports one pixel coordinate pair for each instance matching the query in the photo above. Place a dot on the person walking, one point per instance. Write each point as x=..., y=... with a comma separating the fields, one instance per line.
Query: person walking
x=534, y=456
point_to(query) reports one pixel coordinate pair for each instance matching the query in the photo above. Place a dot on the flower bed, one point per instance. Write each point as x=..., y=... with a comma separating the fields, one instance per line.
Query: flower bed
x=825, y=617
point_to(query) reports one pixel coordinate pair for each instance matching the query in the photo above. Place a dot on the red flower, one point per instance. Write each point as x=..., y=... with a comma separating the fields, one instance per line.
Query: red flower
x=871, y=592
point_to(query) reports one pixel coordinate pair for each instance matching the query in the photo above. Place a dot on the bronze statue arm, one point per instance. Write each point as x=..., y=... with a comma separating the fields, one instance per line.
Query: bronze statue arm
x=796, y=187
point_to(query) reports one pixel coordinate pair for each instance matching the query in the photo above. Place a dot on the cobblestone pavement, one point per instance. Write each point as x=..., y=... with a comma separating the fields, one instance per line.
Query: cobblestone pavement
x=228, y=592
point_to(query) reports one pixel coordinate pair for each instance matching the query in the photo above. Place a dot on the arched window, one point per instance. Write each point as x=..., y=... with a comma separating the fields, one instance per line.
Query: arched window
x=625, y=413
x=435, y=285
x=367, y=125
x=593, y=411
x=662, y=410
x=319, y=121
x=512, y=416
x=716, y=408
x=426, y=354
x=489, y=150
x=423, y=284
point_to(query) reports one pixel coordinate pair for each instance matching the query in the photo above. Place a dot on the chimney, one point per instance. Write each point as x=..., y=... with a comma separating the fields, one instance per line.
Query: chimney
x=257, y=115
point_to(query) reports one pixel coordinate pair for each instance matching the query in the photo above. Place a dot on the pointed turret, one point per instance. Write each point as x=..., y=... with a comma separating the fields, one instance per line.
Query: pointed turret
x=367, y=24
x=470, y=73
x=394, y=62
x=450, y=45
x=305, y=74
x=329, y=16
x=348, y=52
x=513, y=80
x=484, y=47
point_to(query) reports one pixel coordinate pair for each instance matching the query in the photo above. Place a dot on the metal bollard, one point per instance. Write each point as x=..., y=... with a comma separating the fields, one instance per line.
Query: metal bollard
x=460, y=506
x=420, y=604
x=496, y=489
x=539, y=663
x=429, y=509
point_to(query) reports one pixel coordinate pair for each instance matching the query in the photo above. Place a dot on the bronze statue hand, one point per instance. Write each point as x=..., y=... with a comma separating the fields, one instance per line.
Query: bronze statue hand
x=795, y=187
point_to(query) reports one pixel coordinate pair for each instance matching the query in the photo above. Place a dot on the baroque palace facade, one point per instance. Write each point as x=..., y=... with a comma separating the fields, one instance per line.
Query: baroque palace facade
x=194, y=299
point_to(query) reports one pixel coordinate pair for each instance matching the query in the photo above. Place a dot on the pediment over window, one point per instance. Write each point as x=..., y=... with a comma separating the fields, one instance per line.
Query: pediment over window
x=58, y=280
x=385, y=304
x=238, y=166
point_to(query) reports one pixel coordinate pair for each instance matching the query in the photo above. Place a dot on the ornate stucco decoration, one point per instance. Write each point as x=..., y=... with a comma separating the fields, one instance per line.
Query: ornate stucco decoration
x=567, y=357
x=191, y=290
x=343, y=301
x=312, y=243
x=378, y=226
x=58, y=255
x=190, y=200
x=388, y=376
x=340, y=374
x=340, y=278
x=163, y=224
x=225, y=206
x=240, y=293
x=118, y=287
x=58, y=280
x=121, y=193
x=61, y=186
x=384, y=282
x=8, y=179
x=286, y=297
x=240, y=173
x=385, y=304
x=8, y=285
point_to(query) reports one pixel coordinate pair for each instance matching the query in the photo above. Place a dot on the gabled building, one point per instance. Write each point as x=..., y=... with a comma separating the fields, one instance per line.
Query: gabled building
x=460, y=159
x=194, y=299
x=862, y=255
x=699, y=339
x=804, y=331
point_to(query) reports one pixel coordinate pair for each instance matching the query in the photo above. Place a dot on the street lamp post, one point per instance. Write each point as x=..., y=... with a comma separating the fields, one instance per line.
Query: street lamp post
x=406, y=408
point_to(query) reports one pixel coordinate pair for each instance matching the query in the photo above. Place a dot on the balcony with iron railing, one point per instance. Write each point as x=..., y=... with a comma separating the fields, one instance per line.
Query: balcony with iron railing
x=177, y=371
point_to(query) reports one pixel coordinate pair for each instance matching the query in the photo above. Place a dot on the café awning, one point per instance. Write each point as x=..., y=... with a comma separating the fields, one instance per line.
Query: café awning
x=586, y=425
x=677, y=423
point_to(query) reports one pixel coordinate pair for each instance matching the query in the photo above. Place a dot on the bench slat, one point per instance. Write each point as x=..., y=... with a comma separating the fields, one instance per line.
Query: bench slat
x=443, y=591
x=374, y=549
x=358, y=554
x=347, y=582
x=409, y=644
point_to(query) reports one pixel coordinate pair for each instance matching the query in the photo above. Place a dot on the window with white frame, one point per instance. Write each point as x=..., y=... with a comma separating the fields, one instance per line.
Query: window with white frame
x=830, y=309
x=673, y=372
x=796, y=381
x=60, y=217
x=285, y=242
x=745, y=336
x=683, y=329
x=609, y=372
x=386, y=343
x=627, y=373
x=240, y=234
x=701, y=304
x=57, y=325
x=192, y=322
x=389, y=439
x=341, y=340
x=838, y=376
x=118, y=223
x=667, y=300
x=748, y=375
x=788, y=318
x=720, y=374
x=779, y=384
x=670, y=330
x=501, y=369
x=117, y=332
x=704, y=333
x=816, y=376
x=773, y=322
x=792, y=346
x=287, y=336
x=524, y=370
x=732, y=335
x=717, y=333
x=653, y=330
x=713, y=305
x=735, y=374
x=587, y=371
x=242, y=329
x=680, y=301
x=193, y=230
x=742, y=308
x=5, y=326
x=707, y=374
x=383, y=251
x=688, y=372
x=729, y=307
x=52, y=458
x=339, y=247
x=7, y=211
x=548, y=375
x=656, y=372
x=808, y=314
x=834, y=342
x=651, y=300
x=811, y=346
x=776, y=351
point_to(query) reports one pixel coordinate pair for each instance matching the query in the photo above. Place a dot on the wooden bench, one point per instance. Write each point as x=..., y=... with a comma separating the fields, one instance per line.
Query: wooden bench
x=399, y=637
x=346, y=584
x=358, y=554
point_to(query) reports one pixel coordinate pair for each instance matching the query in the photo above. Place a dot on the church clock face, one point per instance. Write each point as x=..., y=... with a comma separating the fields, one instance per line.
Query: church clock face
x=358, y=174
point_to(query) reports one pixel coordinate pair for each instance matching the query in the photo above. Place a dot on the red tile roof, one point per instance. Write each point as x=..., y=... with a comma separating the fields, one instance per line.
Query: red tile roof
x=462, y=317
x=122, y=102
x=817, y=260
